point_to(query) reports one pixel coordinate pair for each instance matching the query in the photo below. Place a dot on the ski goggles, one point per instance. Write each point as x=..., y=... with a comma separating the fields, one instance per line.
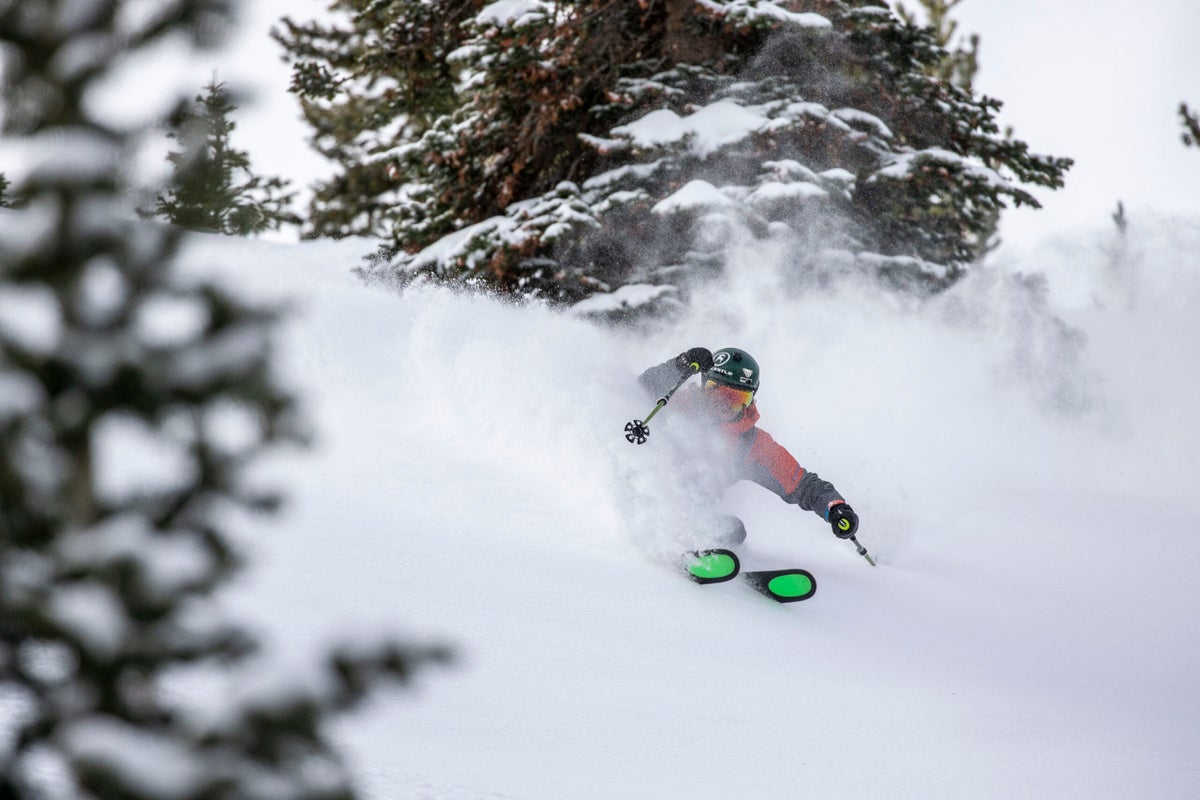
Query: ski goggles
x=728, y=396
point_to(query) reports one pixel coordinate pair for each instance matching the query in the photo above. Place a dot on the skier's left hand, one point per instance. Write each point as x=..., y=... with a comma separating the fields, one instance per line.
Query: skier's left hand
x=843, y=519
x=699, y=359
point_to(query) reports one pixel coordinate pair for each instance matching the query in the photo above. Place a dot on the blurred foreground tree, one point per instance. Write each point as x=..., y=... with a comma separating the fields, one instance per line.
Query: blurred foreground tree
x=132, y=400
x=1191, y=125
x=212, y=186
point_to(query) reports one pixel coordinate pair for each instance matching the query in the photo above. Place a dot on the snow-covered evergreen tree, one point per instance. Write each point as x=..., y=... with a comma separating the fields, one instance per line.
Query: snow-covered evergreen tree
x=132, y=400
x=594, y=145
x=383, y=77
x=960, y=64
x=213, y=187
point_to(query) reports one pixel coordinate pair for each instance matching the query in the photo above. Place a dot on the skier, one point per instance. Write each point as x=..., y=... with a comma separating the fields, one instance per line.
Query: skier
x=724, y=403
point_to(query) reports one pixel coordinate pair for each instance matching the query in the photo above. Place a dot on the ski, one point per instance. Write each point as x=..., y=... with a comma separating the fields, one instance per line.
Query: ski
x=719, y=565
x=782, y=585
x=711, y=566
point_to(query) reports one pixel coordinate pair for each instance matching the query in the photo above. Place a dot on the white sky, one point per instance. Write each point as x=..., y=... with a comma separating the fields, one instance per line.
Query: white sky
x=1094, y=81
x=1099, y=82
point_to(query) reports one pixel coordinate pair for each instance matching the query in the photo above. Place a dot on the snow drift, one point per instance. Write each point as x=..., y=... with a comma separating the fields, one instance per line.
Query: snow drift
x=1022, y=451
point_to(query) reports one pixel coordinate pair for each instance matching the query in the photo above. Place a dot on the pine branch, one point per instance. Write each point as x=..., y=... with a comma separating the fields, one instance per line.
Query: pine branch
x=213, y=187
x=1191, y=126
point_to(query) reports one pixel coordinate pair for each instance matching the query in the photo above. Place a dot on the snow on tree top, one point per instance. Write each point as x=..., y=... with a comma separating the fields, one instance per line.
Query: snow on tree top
x=902, y=165
x=58, y=155
x=791, y=169
x=30, y=316
x=628, y=297
x=727, y=122
x=93, y=615
x=694, y=194
x=132, y=460
x=861, y=119
x=510, y=12
x=19, y=396
x=548, y=217
x=708, y=129
x=155, y=765
x=613, y=176
x=753, y=10
x=166, y=562
x=838, y=175
x=773, y=191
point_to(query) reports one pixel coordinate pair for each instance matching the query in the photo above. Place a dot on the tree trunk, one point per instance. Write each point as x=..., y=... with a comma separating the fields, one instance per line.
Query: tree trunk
x=685, y=44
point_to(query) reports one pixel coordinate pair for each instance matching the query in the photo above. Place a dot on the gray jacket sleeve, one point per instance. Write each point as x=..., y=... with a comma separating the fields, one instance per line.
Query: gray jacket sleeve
x=658, y=380
x=769, y=464
x=813, y=494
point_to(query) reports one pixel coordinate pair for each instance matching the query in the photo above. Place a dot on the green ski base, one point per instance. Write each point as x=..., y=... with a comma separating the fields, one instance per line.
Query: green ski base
x=712, y=566
x=720, y=565
x=783, y=585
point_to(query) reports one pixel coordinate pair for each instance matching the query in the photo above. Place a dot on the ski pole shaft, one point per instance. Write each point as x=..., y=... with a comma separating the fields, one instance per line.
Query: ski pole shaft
x=862, y=551
x=637, y=431
x=662, y=401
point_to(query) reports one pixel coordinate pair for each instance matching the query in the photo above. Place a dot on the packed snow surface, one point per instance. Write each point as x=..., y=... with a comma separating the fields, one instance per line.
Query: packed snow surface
x=1023, y=455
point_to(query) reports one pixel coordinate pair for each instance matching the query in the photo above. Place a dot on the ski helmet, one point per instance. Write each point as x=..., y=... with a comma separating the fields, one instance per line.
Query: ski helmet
x=734, y=367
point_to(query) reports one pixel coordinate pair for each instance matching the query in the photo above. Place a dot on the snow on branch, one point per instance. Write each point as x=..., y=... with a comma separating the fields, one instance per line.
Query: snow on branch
x=763, y=10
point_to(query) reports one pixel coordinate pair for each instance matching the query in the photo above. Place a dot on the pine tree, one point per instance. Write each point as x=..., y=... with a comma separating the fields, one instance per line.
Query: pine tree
x=389, y=67
x=4, y=200
x=552, y=174
x=960, y=65
x=105, y=583
x=1191, y=126
x=213, y=187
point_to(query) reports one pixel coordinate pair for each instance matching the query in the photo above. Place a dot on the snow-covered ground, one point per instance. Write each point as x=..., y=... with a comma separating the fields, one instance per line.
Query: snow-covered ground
x=1029, y=490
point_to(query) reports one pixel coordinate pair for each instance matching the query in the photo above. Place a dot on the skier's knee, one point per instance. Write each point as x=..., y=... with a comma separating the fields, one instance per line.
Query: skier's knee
x=731, y=531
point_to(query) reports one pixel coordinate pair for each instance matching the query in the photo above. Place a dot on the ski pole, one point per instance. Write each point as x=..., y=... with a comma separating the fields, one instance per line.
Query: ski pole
x=637, y=431
x=862, y=551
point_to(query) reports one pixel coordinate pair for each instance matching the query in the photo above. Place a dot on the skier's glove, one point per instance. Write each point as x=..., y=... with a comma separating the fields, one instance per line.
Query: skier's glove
x=843, y=520
x=700, y=356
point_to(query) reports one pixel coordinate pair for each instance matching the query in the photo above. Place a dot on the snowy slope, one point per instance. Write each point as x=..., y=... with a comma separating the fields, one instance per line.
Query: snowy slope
x=1031, y=630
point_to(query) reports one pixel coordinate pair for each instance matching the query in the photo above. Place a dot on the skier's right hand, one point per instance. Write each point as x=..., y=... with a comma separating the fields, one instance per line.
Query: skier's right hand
x=699, y=359
x=843, y=519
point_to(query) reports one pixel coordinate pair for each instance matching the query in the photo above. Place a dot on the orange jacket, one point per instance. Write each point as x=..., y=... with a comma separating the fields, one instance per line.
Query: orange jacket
x=756, y=455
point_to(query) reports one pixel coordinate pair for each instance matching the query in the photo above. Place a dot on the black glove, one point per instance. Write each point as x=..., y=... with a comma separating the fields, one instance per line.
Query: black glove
x=700, y=356
x=843, y=519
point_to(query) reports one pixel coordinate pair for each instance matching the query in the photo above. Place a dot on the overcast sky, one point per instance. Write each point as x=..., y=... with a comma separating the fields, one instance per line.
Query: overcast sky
x=1093, y=80
x=1100, y=82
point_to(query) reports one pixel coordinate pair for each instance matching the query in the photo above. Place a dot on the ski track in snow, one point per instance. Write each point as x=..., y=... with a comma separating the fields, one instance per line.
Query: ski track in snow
x=1031, y=629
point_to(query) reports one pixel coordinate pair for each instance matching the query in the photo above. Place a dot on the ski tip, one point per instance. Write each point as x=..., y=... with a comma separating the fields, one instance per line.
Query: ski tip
x=711, y=566
x=783, y=585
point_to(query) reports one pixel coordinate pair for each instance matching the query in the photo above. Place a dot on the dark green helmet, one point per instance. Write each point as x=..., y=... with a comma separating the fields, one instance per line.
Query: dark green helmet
x=734, y=367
